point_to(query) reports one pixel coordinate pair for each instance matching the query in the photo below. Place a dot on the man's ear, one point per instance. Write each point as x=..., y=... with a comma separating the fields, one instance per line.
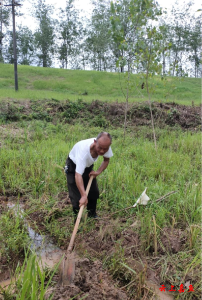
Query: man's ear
x=95, y=140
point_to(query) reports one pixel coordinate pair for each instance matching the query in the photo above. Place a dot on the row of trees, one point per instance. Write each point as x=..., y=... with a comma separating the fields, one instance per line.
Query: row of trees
x=125, y=35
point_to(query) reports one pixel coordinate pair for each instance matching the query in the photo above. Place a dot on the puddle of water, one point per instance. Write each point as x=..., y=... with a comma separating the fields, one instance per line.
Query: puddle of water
x=48, y=253
x=41, y=244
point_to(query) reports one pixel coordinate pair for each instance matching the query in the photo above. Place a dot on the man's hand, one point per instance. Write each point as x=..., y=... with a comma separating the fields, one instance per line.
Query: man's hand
x=102, y=167
x=79, y=182
x=94, y=174
x=83, y=201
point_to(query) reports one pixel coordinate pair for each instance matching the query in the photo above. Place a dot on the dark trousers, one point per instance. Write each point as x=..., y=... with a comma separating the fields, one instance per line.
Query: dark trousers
x=74, y=193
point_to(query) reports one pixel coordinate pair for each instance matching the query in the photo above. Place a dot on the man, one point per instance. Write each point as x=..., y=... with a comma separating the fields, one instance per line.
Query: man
x=79, y=168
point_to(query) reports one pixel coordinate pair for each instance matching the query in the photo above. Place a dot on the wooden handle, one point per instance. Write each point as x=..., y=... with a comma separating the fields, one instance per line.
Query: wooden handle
x=71, y=243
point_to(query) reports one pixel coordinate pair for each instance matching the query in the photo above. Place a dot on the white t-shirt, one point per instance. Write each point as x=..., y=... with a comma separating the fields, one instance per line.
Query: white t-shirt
x=80, y=155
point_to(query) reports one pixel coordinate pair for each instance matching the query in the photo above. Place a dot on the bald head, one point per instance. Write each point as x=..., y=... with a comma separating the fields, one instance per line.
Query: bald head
x=105, y=136
x=102, y=143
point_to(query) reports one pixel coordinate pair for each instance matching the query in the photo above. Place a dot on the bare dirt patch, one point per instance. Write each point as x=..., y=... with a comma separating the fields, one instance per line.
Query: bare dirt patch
x=101, y=113
x=91, y=281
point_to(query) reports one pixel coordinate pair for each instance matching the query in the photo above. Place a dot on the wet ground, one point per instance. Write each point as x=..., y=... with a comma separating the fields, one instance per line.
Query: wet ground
x=103, y=244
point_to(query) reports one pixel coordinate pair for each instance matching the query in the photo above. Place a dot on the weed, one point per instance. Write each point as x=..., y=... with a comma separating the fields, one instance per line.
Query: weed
x=13, y=234
x=194, y=239
x=72, y=109
x=32, y=281
x=173, y=114
x=9, y=112
x=31, y=149
x=99, y=121
x=115, y=262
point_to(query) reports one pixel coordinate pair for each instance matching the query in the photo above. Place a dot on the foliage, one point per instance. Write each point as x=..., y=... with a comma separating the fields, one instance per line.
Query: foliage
x=13, y=234
x=98, y=41
x=25, y=46
x=70, y=30
x=32, y=280
x=72, y=109
x=195, y=45
x=147, y=50
x=44, y=36
x=4, y=21
x=128, y=28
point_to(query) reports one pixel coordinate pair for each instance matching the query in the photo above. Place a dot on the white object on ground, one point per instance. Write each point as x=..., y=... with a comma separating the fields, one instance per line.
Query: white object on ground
x=143, y=199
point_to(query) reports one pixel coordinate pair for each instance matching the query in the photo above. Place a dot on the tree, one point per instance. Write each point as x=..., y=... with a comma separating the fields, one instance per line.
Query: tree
x=70, y=31
x=194, y=44
x=121, y=28
x=4, y=22
x=179, y=24
x=25, y=46
x=149, y=56
x=9, y=56
x=98, y=40
x=44, y=35
x=133, y=33
x=128, y=19
x=165, y=45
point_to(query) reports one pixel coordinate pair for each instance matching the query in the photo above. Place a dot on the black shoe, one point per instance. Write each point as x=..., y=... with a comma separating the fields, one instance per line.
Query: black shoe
x=93, y=216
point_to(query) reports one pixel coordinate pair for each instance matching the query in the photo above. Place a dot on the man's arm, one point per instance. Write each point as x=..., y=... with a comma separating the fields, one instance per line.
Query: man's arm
x=80, y=186
x=102, y=167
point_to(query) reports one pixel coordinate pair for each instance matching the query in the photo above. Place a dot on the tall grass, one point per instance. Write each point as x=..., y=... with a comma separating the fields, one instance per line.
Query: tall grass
x=31, y=152
x=29, y=166
x=31, y=281
x=14, y=239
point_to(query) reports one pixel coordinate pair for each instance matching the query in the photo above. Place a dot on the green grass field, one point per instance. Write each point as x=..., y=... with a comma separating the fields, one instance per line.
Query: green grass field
x=47, y=83
x=31, y=150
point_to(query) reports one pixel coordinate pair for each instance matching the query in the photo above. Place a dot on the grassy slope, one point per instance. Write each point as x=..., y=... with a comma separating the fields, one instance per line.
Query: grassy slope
x=39, y=83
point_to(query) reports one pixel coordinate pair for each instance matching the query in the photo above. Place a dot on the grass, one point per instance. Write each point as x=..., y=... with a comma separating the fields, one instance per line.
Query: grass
x=13, y=235
x=31, y=281
x=30, y=153
x=31, y=149
x=28, y=167
x=47, y=83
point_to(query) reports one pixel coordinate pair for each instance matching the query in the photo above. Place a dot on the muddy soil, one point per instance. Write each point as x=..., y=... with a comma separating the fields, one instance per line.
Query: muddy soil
x=91, y=281
x=101, y=258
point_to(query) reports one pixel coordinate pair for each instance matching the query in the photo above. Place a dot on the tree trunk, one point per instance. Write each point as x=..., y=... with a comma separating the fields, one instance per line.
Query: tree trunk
x=164, y=63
